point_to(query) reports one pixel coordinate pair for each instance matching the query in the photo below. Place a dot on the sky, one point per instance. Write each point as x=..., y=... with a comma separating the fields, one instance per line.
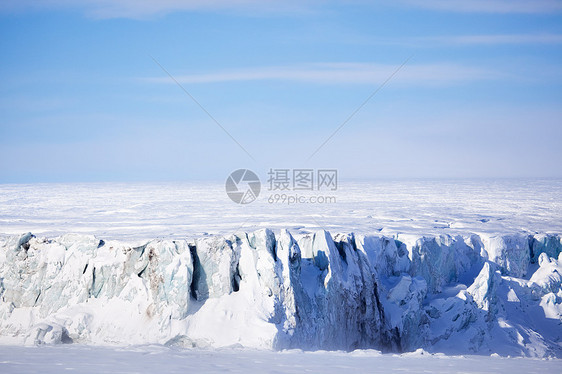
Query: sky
x=99, y=90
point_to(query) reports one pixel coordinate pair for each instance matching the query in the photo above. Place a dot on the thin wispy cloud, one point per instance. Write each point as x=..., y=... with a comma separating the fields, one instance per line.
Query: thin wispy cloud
x=456, y=40
x=148, y=8
x=342, y=73
x=488, y=6
x=497, y=39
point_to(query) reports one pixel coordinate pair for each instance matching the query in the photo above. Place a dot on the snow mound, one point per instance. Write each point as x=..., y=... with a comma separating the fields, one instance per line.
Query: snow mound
x=452, y=294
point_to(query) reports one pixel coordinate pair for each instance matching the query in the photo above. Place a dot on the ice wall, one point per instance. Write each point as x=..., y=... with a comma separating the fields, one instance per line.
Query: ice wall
x=463, y=294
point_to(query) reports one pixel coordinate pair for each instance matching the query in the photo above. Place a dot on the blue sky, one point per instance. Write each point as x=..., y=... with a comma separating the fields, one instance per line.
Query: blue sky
x=81, y=98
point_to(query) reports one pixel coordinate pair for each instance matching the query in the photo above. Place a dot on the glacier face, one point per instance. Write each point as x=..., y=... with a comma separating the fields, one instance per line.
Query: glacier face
x=454, y=294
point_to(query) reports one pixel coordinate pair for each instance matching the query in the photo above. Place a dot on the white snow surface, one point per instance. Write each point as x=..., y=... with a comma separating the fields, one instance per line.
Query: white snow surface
x=130, y=211
x=451, y=267
x=159, y=359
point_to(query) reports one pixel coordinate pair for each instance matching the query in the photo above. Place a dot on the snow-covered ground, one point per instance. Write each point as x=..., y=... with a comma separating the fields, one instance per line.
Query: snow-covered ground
x=157, y=359
x=179, y=210
x=454, y=267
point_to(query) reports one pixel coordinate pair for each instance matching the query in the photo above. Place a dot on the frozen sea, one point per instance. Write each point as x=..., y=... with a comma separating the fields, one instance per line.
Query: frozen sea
x=177, y=210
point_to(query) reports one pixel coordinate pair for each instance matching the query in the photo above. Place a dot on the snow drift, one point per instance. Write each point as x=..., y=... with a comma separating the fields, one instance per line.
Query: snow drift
x=472, y=294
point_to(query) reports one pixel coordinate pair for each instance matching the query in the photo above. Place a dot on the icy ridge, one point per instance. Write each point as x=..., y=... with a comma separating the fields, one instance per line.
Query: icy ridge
x=454, y=294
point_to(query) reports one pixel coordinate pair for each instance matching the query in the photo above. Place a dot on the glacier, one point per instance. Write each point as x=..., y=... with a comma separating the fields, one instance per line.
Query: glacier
x=456, y=294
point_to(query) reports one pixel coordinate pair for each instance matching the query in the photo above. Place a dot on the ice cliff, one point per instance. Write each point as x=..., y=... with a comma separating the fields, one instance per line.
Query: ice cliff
x=473, y=294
